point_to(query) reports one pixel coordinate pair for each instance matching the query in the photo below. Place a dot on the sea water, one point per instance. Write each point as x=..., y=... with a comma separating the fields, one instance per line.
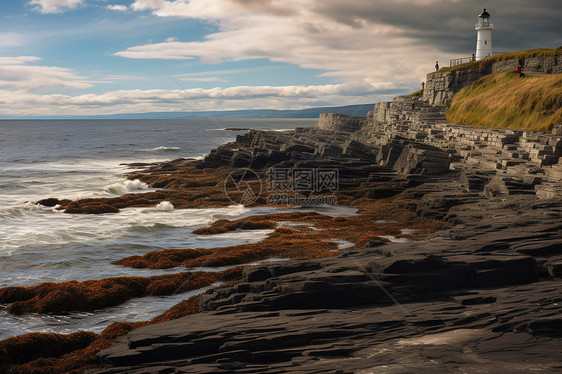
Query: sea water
x=76, y=159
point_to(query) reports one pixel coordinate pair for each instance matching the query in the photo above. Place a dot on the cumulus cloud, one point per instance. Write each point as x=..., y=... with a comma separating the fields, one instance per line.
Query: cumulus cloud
x=360, y=39
x=370, y=49
x=139, y=101
x=54, y=6
x=23, y=80
x=449, y=24
x=294, y=32
x=117, y=7
x=17, y=74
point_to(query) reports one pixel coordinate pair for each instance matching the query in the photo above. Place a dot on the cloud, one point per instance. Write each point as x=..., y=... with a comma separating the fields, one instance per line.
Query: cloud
x=369, y=50
x=354, y=40
x=231, y=98
x=23, y=81
x=20, y=60
x=17, y=74
x=449, y=24
x=118, y=7
x=294, y=32
x=54, y=6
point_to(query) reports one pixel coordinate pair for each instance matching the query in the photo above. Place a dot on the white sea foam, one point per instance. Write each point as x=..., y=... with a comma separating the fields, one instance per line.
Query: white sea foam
x=342, y=244
x=231, y=211
x=394, y=239
x=408, y=231
x=243, y=235
x=127, y=186
x=84, y=165
x=95, y=240
x=161, y=149
x=164, y=206
x=41, y=244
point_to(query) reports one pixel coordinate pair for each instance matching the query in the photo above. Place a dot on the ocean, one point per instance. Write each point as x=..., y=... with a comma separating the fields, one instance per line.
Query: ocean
x=77, y=159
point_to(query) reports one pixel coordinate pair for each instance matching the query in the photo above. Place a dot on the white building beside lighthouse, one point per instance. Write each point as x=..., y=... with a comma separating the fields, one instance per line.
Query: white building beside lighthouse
x=484, y=40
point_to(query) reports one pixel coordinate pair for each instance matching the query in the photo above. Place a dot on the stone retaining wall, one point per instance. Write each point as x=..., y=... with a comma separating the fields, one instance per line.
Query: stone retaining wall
x=440, y=87
x=492, y=161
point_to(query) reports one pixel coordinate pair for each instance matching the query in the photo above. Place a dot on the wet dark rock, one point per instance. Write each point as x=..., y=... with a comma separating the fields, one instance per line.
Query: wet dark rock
x=551, y=327
x=51, y=202
x=481, y=293
x=472, y=288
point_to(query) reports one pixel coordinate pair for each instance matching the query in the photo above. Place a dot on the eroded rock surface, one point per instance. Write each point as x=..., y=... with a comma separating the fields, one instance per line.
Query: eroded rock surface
x=483, y=296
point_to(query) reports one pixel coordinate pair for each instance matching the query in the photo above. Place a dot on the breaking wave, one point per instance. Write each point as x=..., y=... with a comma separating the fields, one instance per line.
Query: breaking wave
x=122, y=188
x=161, y=149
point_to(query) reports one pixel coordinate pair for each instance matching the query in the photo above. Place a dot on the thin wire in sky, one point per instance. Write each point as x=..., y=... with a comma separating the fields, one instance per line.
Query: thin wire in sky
x=184, y=90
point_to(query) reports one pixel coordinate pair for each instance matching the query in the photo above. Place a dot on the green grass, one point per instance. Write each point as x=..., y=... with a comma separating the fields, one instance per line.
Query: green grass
x=539, y=52
x=417, y=93
x=504, y=100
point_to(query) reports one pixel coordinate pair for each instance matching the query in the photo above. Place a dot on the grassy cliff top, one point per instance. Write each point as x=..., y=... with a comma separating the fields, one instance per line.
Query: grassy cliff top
x=539, y=52
x=504, y=100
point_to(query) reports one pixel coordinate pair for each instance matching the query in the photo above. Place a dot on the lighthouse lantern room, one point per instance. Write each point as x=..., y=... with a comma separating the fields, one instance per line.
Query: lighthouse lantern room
x=484, y=41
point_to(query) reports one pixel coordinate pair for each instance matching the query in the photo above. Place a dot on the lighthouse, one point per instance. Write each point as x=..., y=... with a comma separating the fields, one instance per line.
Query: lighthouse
x=484, y=41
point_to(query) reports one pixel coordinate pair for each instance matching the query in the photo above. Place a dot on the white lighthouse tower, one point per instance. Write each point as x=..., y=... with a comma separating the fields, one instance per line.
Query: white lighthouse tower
x=484, y=41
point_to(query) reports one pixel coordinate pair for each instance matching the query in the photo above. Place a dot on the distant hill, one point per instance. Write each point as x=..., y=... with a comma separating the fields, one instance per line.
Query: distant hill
x=357, y=110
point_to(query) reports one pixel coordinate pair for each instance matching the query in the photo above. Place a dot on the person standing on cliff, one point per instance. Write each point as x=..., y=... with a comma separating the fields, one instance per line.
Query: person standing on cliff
x=436, y=65
x=413, y=105
x=518, y=71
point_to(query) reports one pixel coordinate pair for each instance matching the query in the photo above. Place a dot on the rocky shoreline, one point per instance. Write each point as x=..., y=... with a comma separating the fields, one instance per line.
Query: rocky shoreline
x=480, y=295
x=472, y=284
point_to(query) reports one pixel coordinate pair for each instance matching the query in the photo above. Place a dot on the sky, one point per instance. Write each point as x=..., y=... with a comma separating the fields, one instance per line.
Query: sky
x=94, y=57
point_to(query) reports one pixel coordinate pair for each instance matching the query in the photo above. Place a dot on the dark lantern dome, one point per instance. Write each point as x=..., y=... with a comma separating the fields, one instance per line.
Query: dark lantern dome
x=484, y=14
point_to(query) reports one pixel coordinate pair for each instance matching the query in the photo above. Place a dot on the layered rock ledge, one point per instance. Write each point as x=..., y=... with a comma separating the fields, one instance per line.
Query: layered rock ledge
x=483, y=295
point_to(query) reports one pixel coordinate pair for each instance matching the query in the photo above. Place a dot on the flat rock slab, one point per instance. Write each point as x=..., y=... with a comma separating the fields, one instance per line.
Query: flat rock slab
x=517, y=331
x=481, y=297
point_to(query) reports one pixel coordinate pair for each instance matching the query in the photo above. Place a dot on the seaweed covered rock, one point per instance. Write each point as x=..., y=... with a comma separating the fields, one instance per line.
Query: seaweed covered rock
x=98, y=294
x=25, y=348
